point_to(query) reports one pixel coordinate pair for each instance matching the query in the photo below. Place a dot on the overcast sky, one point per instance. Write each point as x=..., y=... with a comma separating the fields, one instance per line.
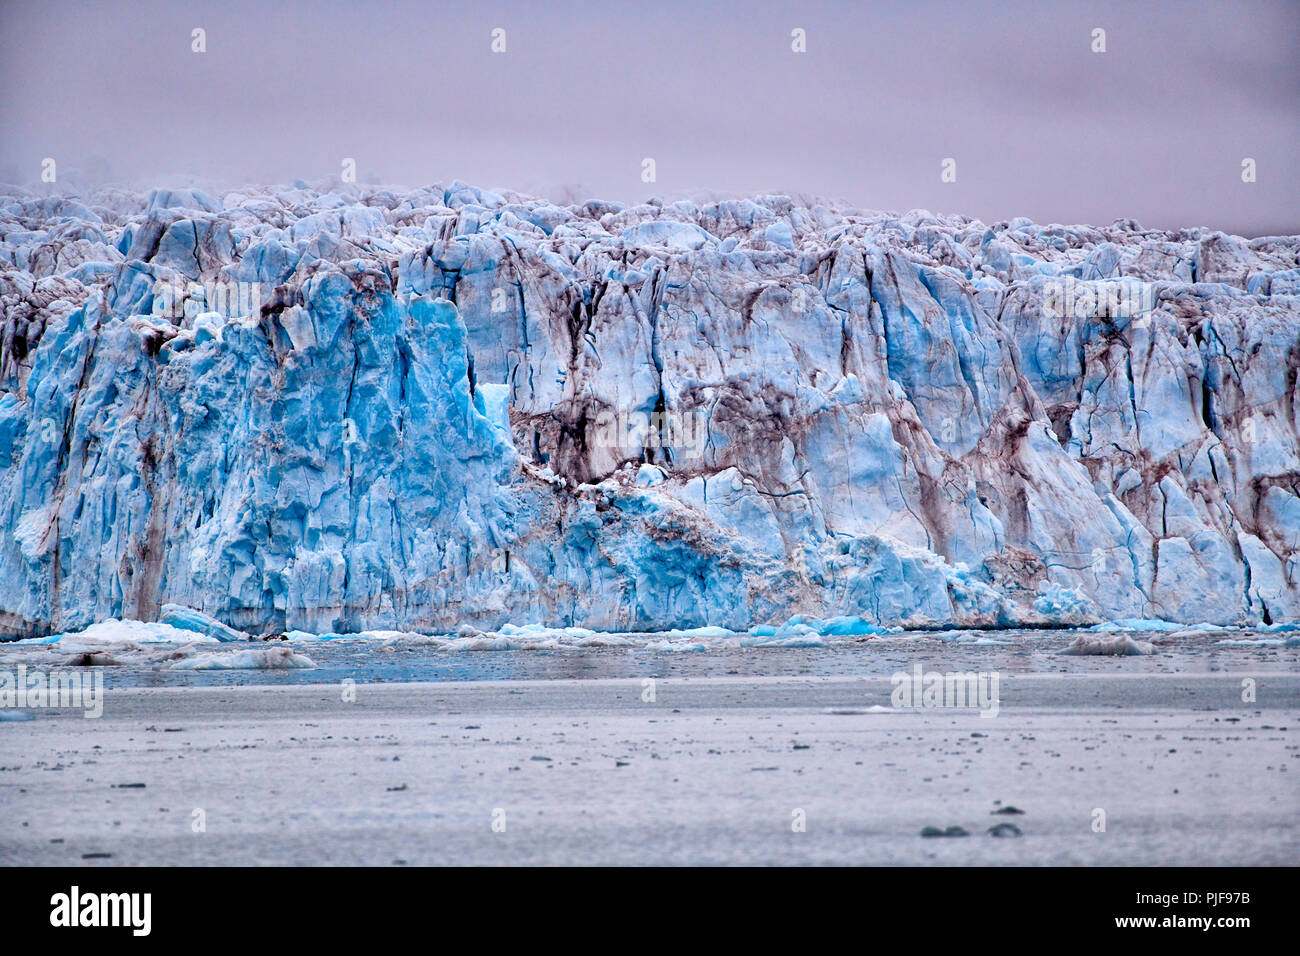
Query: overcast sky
x=1154, y=129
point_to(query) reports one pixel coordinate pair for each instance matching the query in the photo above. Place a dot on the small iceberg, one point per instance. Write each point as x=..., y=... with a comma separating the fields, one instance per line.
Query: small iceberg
x=272, y=658
x=850, y=627
x=672, y=647
x=708, y=632
x=1139, y=624
x=188, y=619
x=1121, y=645
x=804, y=631
x=1260, y=642
x=114, y=631
x=809, y=639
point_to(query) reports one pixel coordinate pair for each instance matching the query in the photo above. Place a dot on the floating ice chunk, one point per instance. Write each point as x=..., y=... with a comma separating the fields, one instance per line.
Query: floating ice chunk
x=394, y=636
x=1140, y=624
x=436, y=641
x=307, y=637
x=707, y=631
x=798, y=626
x=1260, y=642
x=977, y=640
x=542, y=632
x=849, y=627
x=114, y=631
x=809, y=639
x=1121, y=645
x=599, y=639
x=271, y=658
x=93, y=659
x=492, y=642
x=188, y=619
x=674, y=647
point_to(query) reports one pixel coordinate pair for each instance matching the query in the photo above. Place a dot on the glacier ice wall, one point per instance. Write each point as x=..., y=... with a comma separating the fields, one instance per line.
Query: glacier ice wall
x=358, y=408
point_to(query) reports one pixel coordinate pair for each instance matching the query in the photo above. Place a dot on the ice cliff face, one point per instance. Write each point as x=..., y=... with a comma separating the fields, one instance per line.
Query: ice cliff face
x=358, y=409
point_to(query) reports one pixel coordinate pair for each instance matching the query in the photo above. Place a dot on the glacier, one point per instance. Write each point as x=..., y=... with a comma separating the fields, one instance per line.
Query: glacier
x=336, y=408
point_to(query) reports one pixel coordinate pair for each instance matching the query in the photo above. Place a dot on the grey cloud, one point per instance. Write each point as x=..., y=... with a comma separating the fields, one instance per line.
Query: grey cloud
x=1155, y=129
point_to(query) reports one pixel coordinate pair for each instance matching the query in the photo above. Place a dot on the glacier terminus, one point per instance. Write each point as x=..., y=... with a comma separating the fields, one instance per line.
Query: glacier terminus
x=341, y=408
